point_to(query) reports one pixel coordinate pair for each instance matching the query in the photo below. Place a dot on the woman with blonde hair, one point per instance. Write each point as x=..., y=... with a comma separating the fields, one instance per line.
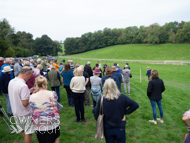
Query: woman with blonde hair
x=115, y=107
x=154, y=93
x=77, y=85
x=45, y=115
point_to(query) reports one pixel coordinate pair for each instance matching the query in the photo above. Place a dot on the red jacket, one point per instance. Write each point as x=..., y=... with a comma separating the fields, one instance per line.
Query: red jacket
x=1, y=63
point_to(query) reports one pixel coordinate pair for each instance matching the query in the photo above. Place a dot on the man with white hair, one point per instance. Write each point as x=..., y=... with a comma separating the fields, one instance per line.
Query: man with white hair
x=17, y=67
x=38, y=61
x=86, y=93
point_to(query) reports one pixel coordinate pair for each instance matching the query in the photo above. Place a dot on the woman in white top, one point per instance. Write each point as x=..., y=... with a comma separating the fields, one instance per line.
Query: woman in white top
x=45, y=115
x=77, y=85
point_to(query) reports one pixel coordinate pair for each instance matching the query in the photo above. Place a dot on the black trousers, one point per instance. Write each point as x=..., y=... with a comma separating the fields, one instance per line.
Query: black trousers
x=79, y=107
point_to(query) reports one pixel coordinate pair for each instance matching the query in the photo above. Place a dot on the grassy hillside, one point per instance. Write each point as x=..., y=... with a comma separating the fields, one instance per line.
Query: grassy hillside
x=62, y=53
x=141, y=52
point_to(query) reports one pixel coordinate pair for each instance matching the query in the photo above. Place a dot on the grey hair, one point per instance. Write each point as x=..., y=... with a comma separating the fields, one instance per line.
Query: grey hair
x=97, y=74
x=110, y=90
x=25, y=70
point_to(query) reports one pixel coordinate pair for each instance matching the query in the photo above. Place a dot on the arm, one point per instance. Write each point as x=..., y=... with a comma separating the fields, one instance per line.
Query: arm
x=149, y=89
x=87, y=80
x=25, y=102
x=131, y=104
x=163, y=87
x=96, y=110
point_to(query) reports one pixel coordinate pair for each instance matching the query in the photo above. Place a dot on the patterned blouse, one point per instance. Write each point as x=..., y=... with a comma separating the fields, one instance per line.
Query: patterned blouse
x=45, y=114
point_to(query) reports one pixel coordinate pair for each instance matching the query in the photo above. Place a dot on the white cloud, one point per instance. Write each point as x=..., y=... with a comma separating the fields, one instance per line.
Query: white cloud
x=60, y=18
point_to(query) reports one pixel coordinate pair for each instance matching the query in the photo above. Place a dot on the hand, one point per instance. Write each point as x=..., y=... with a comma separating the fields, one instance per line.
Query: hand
x=124, y=118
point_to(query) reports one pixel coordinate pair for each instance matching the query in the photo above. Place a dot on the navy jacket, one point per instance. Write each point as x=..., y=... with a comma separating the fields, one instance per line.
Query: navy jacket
x=114, y=110
x=4, y=80
x=155, y=89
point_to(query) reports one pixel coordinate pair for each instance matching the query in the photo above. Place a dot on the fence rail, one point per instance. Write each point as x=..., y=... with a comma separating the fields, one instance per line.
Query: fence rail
x=174, y=62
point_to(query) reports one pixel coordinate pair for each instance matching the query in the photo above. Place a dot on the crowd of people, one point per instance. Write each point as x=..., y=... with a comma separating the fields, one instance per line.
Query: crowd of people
x=25, y=87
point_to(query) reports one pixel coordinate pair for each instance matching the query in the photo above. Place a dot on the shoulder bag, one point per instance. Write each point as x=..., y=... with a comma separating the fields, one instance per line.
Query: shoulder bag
x=99, y=134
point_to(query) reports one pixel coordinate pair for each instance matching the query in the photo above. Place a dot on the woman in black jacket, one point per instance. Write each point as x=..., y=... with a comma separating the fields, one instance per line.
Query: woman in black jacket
x=154, y=93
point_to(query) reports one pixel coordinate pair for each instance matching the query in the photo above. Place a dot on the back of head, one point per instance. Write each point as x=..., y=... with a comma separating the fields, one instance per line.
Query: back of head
x=154, y=74
x=41, y=82
x=39, y=66
x=108, y=71
x=27, y=63
x=8, y=61
x=110, y=90
x=78, y=72
x=25, y=70
x=38, y=60
x=82, y=67
x=67, y=67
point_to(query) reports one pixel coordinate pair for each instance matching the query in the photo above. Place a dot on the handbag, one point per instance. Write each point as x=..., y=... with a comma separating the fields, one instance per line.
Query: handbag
x=122, y=80
x=99, y=134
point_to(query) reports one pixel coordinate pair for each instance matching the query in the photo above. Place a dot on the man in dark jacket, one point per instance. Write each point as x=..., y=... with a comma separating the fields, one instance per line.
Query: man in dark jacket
x=4, y=81
x=88, y=69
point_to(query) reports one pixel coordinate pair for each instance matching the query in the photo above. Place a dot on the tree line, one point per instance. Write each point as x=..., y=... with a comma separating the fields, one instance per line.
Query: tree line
x=22, y=44
x=172, y=32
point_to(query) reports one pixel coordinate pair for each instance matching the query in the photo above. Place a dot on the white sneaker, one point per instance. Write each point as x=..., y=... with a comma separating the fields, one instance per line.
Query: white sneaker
x=152, y=121
x=161, y=121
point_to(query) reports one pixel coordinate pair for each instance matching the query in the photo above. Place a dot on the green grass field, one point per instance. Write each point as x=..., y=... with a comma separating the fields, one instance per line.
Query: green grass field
x=140, y=52
x=138, y=129
x=62, y=53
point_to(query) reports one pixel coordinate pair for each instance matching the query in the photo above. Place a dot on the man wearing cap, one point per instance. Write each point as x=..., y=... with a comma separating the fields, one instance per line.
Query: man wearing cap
x=128, y=66
x=17, y=68
x=126, y=79
x=88, y=69
x=118, y=75
x=19, y=95
x=4, y=81
x=7, y=63
x=118, y=69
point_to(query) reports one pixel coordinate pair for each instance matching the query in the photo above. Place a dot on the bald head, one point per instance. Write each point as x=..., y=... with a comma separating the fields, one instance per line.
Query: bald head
x=27, y=63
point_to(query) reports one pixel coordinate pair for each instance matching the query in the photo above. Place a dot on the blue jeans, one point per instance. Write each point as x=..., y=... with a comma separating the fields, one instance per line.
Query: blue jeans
x=115, y=135
x=153, y=104
x=79, y=106
x=57, y=91
x=9, y=110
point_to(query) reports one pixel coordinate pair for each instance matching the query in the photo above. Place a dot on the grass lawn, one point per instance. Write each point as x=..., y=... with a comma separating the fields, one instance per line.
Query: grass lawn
x=140, y=52
x=138, y=129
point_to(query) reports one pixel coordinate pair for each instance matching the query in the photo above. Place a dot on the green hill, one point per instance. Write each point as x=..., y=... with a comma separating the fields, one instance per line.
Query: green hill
x=140, y=52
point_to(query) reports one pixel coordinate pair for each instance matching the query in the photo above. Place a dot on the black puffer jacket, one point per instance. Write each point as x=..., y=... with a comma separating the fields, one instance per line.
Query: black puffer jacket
x=155, y=89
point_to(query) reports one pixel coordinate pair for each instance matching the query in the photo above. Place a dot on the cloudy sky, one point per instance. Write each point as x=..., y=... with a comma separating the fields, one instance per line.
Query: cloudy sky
x=60, y=19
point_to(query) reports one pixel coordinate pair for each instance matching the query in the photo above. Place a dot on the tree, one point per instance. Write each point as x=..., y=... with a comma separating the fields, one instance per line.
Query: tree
x=5, y=29
x=3, y=47
x=183, y=35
